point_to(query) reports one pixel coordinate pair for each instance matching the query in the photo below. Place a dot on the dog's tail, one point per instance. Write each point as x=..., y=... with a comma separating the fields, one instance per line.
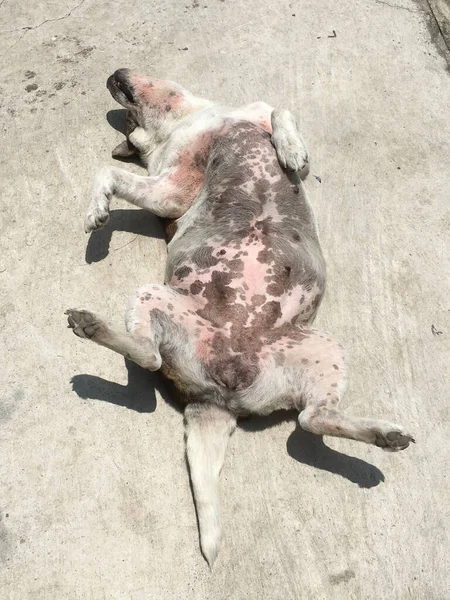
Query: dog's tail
x=208, y=428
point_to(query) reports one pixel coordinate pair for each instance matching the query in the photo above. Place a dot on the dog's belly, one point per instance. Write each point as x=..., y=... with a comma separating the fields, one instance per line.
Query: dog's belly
x=246, y=258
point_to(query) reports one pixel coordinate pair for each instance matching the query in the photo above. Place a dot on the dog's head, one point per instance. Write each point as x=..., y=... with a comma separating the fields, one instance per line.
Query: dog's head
x=151, y=100
x=153, y=104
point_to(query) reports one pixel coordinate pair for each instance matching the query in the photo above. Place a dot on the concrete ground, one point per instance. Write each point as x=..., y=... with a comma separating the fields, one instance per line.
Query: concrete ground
x=95, y=498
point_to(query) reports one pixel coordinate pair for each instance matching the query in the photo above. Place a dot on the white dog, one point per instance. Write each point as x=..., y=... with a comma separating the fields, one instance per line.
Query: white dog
x=245, y=276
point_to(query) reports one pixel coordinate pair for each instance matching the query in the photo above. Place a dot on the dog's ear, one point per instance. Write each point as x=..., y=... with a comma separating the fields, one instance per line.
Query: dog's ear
x=124, y=150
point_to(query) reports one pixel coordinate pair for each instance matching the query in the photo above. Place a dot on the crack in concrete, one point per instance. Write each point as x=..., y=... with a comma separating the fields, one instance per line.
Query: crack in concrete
x=397, y=6
x=30, y=28
x=12, y=45
x=431, y=14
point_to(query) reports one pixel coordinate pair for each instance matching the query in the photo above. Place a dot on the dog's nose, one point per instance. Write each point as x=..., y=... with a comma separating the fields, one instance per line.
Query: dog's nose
x=122, y=75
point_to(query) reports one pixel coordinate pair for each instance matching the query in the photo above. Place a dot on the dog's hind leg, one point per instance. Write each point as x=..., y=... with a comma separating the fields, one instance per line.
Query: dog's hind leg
x=324, y=373
x=208, y=428
x=140, y=350
x=325, y=381
x=153, y=324
x=311, y=377
x=291, y=149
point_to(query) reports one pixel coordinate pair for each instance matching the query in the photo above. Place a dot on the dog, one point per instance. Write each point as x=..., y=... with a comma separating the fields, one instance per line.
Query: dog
x=232, y=325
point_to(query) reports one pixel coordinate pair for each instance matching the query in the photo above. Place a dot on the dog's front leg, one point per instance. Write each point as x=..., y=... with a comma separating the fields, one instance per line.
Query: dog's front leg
x=289, y=144
x=159, y=194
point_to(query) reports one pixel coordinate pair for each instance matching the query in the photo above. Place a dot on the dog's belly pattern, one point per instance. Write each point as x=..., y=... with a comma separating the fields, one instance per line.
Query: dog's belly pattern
x=247, y=260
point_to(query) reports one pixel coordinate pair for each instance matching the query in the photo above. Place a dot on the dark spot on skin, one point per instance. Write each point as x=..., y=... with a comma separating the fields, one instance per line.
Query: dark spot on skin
x=336, y=367
x=305, y=361
x=236, y=265
x=317, y=362
x=334, y=385
x=168, y=107
x=274, y=289
x=196, y=287
x=59, y=85
x=170, y=306
x=31, y=87
x=30, y=74
x=182, y=272
x=258, y=299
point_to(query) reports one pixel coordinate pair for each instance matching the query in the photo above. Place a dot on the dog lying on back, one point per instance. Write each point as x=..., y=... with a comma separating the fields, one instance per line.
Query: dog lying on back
x=231, y=326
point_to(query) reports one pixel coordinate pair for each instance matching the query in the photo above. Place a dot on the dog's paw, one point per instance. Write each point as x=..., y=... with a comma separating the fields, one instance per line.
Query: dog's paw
x=84, y=323
x=96, y=217
x=393, y=440
x=293, y=157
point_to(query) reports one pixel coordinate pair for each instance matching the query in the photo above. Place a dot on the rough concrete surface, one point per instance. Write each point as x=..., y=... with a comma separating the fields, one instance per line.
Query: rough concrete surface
x=95, y=498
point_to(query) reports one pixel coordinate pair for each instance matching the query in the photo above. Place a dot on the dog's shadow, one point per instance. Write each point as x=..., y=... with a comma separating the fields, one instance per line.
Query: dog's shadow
x=140, y=222
x=309, y=449
x=139, y=393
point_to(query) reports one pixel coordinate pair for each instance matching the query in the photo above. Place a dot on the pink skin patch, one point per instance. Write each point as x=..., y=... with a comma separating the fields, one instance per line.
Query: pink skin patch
x=188, y=171
x=157, y=93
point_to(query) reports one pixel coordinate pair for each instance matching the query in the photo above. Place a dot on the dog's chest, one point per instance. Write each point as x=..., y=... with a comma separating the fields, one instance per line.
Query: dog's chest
x=240, y=250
